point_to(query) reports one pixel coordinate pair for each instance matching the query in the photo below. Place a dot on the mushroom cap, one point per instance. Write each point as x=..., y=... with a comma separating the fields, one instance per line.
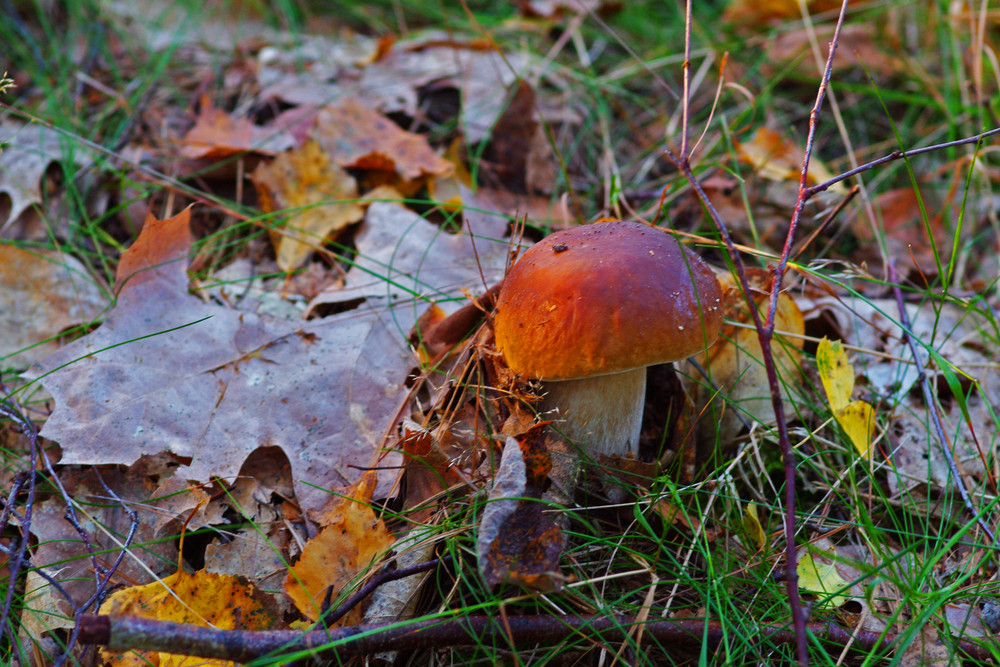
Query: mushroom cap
x=605, y=298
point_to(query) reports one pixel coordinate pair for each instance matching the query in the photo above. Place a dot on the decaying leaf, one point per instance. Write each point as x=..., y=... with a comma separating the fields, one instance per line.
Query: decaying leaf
x=757, y=14
x=519, y=541
x=857, y=418
x=351, y=538
x=42, y=294
x=65, y=554
x=201, y=598
x=29, y=170
x=402, y=255
x=359, y=138
x=217, y=135
x=957, y=352
x=734, y=364
x=169, y=372
x=318, y=197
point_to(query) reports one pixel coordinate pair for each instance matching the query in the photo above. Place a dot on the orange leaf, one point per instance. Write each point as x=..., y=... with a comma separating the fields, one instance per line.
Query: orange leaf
x=351, y=540
x=217, y=135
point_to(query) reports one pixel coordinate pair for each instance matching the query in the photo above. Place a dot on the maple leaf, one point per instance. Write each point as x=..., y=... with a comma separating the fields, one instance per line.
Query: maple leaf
x=41, y=294
x=169, y=372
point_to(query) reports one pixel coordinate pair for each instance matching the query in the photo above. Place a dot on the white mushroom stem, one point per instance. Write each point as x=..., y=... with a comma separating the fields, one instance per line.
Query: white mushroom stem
x=602, y=414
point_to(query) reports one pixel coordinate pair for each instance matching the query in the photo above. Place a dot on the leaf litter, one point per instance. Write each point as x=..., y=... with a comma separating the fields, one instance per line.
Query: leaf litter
x=212, y=385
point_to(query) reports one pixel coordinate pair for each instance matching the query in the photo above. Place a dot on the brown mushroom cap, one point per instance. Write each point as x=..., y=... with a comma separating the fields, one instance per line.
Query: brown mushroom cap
x=605, y=298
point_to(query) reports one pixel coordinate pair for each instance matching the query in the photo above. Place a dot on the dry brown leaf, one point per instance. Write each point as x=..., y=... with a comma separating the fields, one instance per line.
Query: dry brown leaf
x=217, y=135
x=351, y=539
x=861, y=46
x=320, y=199
x=63, y=552
x=758, y=14
x=42, y=293
x=360, y=138
x=402, y=255
x=169, y=372
x=906, y=237
x=519, y=540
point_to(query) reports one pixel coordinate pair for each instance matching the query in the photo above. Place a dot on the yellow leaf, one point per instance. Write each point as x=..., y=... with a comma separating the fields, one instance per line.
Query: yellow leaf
x=202, y=598
x=351, y=539
x=858, y=422
x=857, y=418
x=836, y=372
x=821, y=578
x=321, y=199
x=751, y=524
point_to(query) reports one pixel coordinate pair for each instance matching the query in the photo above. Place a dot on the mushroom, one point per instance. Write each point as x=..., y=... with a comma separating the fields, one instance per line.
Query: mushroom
x=587, y=309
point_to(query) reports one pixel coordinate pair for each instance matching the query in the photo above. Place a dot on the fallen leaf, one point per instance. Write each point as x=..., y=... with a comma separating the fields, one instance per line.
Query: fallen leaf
x=862, y=46
x=506, y=158
x=402, y=255
x=42, y=294
x=904, y=233
x=956, y=346
x=519, y=541
x=351, y=538
x=555, y=9
x=926, y=649
x=857, y=418
x=318, y=199
x=169, y=372
x=751, y=524
x=360, y=138
x=217, y=135
x=821, y=578
x=202, y=599
x=777, y=158
x=758, y=14
x=65, y=555
x=29, y=172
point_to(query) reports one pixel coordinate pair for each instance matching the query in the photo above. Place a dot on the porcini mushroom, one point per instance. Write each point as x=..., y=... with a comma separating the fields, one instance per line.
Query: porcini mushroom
x=587, y=309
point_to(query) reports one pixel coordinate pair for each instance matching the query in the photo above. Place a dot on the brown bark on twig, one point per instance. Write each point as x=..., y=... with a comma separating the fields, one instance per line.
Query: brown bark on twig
x=123, y=633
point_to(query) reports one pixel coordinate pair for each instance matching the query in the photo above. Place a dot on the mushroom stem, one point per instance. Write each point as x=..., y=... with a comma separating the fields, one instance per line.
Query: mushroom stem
x=602, y=414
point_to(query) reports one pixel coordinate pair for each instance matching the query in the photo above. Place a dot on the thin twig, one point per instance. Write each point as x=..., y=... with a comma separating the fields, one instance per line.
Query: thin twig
x=896, y=155
x=765, y=329
x=907, y=327
x=381, y=578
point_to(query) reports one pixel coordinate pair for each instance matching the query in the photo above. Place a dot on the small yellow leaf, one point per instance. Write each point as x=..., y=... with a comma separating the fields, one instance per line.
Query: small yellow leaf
x=751, y=524
x=857, y=418
x=858, y=422
x=836, y=372
x=821, y=578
